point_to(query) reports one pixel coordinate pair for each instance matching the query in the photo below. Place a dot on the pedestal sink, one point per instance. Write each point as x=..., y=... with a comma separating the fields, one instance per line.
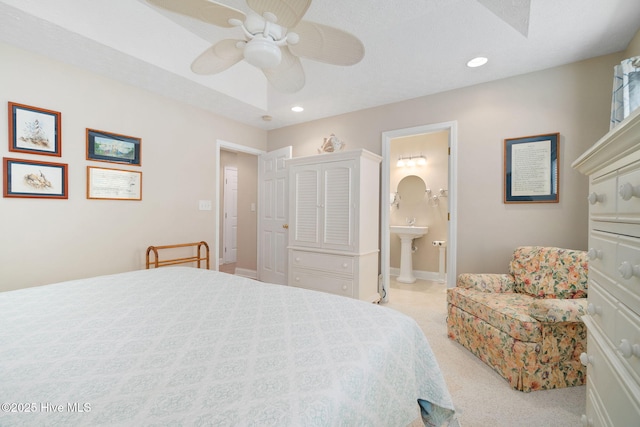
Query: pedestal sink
x=407, y=233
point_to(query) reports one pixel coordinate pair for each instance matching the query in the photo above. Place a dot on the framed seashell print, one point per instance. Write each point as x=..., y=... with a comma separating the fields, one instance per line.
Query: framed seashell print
x=35, y=179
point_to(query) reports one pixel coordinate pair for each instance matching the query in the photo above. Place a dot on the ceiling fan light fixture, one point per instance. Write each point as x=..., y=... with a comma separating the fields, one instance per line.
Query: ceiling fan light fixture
x=262, y=53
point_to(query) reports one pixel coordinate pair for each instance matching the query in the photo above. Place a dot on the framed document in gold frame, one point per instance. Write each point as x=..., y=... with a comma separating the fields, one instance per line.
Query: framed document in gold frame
x=113, y=184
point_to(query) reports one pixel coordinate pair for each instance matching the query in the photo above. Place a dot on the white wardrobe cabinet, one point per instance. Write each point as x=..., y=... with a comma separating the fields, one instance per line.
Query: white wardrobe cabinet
x=333, y=223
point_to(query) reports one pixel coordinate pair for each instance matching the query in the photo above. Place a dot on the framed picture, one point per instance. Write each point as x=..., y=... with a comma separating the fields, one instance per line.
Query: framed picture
x=34, y=130
x=27, y=178
x=112, y=147
x=113, y=184
x=531, y=169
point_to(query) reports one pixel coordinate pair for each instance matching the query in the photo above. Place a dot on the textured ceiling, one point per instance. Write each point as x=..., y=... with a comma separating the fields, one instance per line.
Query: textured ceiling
x=412, y=48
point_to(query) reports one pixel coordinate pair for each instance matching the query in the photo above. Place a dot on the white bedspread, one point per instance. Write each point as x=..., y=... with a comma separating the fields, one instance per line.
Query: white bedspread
x=181, y=346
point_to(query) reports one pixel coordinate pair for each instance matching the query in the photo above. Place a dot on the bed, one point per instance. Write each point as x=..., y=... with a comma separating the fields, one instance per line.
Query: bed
x=187, y=346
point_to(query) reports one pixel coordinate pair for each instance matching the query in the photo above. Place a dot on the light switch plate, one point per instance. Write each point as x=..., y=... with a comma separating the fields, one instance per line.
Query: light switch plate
x=205, y=205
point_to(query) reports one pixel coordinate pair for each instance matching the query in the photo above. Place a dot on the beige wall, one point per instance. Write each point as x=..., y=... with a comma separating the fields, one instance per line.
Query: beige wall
x=45, y=241
x=573, y=100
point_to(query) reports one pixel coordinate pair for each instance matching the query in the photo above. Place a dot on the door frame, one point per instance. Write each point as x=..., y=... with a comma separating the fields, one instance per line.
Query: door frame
x=385, y=257
x=230, y=146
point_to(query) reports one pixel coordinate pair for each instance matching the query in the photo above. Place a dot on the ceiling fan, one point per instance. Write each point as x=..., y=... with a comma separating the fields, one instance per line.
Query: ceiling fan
x=275, y=37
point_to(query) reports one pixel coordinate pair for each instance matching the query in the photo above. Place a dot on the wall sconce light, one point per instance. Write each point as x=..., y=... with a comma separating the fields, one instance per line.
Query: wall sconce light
x=411, y=161
x=434, y=199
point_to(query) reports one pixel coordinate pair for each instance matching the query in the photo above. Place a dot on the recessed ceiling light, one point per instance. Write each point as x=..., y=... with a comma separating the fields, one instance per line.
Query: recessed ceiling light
x=477, y=62
x=297, y=109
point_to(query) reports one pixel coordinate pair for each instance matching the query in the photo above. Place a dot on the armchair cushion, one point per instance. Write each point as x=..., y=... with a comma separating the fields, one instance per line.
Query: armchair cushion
x=508, y=312
x=558, y=310
x=547, y=272
x=486, y=282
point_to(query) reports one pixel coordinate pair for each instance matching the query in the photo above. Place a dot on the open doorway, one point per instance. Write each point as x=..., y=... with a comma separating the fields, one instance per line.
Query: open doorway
x=243, y=247
x=450, y=128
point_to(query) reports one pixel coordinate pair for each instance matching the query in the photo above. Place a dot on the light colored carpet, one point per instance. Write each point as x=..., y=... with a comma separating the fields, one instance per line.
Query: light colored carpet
x=481, y=396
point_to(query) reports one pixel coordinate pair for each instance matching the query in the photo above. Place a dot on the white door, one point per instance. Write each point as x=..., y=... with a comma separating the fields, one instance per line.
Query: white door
x=230, y=219
x=273, y=215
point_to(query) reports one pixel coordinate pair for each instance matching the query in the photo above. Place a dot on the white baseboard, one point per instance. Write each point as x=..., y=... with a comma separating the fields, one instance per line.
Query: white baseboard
x=251, y=274
x=432, y=276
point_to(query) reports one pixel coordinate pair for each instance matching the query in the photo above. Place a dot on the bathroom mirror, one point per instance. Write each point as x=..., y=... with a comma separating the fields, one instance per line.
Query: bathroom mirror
x=411, y=189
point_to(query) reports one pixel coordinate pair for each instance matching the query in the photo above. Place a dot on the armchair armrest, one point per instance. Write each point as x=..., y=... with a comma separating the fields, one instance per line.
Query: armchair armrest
x=558, y=310
x=486, y=282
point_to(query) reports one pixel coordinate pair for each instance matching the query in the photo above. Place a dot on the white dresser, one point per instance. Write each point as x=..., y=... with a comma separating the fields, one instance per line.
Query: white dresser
x=333, y=223
x=613, y=322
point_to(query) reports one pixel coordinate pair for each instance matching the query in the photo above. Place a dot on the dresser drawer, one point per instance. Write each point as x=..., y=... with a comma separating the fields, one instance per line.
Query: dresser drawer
x=594, y=416
x=627, y=340
x=622, y=408
x=602, y=252
x=628, y=272
x=628, y=190
x=602, y=308
x=340, y=264
x=602, y=196
x=312, y=280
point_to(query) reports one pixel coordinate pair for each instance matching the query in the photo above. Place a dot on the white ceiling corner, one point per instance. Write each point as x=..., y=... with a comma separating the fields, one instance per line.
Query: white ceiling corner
x=514, y=12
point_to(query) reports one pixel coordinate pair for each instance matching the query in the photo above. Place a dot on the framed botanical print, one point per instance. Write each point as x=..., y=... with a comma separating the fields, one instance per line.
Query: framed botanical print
x=34, y=130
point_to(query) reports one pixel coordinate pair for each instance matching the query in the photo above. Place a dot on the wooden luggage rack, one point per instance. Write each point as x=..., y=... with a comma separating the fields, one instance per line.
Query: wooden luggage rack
x=198, y=258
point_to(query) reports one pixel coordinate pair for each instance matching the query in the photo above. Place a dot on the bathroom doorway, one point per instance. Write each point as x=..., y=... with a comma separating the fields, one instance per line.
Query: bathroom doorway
x=425, y=154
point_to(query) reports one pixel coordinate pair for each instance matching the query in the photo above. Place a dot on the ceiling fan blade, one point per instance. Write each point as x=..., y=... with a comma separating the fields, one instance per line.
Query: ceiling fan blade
x=288, y=76
x=327, y=44
x=218, y=57
x=204, y=10
x=289, y=12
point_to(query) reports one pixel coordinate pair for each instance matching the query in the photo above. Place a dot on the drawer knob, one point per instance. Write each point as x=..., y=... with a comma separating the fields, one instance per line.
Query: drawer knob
x=593, y=309
x=586, y=421
x=344, y=287
x=595, y=198
x=345, y=265
x=297, y=259
x=297, y=279
x=627, y=191
x=627, y=350
x=594, y=253
x=627, y=271
x=585, y=359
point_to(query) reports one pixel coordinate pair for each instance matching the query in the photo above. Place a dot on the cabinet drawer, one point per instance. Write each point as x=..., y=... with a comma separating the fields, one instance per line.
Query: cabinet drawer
x=602, y=253
x=628, y=271
x=628, y=193
x=313, y=280
x=594, y=412
x=602, y=196
x=621, y=406
x=627, y=339
x=602, y=308
x=327, y=262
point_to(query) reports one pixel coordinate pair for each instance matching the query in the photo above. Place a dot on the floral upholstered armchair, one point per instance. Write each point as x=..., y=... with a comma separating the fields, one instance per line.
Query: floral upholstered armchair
x=526, y=324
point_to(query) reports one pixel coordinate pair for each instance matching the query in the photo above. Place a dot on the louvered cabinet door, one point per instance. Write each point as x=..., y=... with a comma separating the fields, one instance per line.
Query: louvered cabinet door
x=338, y=205
x=305, y=182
